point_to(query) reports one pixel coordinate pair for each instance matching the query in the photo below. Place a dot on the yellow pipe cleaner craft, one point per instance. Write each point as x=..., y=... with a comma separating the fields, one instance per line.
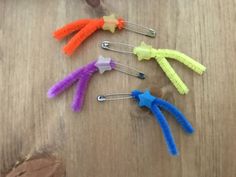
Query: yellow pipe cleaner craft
x=146, y=52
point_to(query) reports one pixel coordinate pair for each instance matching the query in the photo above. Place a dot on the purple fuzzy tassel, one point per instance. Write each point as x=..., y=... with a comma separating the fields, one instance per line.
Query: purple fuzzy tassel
x=81, y=87
x=82, y=76
x=62, y=85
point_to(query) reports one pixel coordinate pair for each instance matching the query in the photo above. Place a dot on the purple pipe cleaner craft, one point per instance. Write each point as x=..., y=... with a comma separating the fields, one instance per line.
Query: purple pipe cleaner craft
x=82, y=76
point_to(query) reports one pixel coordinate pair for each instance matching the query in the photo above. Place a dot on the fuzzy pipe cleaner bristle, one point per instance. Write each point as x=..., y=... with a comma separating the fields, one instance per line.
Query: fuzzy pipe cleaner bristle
x=82, y=86
x=85, y=28
x=82, y=76
x=70, y=28
x=145, y=99
x=83, y=34
x=146, y=52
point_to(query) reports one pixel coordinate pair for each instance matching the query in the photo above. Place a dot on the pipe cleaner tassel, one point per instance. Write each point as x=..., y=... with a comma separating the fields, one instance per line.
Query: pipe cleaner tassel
x=145, y=99
x=85, y=28
x=82, y=76
x=146, y=52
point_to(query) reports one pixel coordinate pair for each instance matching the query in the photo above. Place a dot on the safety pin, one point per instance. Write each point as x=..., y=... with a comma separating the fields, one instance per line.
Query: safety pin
x=113, y=97
x=129, y=70
x=142, y=29
x=124, y=48
x=121, y=67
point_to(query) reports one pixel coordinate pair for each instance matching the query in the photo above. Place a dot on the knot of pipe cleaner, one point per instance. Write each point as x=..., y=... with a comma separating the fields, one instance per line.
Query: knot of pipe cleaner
x=111, y=23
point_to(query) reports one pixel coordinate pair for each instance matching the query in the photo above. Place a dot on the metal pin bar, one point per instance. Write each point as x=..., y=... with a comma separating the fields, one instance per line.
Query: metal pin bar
x=112, y=97
x=117, y=47
x=130, y=71
x=140, y=29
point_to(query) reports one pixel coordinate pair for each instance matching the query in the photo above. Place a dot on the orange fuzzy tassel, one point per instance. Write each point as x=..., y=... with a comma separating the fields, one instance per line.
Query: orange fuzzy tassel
x=69, y=28
x=84, y=33
x=85, y=28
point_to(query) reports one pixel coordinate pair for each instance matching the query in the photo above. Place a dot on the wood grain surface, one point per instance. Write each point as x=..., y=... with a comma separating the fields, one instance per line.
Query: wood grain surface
x=118, y=139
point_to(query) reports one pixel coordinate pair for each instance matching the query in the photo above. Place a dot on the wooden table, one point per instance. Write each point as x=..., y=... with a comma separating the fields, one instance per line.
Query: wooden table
x=118, y=138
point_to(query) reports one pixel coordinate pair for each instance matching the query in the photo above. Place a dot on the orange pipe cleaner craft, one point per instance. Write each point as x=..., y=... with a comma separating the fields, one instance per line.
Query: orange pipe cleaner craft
x=85, y=28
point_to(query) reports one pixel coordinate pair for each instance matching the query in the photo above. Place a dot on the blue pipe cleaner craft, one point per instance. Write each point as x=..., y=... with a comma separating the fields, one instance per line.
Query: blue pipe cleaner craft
x=145, y=99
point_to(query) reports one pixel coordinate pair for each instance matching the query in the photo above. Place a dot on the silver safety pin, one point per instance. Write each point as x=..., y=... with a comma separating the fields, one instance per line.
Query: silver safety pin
x=126, y=49
x=112, y=97
x=140, y=29
x=130, y=71
x=105, y=64
x=122, y=47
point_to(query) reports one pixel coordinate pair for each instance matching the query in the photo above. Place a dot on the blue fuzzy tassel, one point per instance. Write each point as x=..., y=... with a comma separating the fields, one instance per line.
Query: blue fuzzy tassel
x=165, y=130
x=145, y=99
x=185, y=124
